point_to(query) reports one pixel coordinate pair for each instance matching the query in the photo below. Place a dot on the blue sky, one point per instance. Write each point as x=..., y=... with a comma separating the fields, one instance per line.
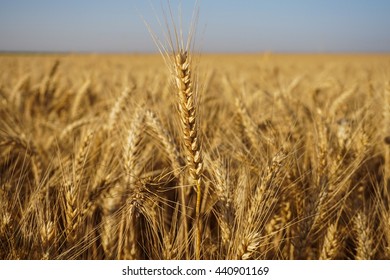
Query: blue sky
x=224, y=25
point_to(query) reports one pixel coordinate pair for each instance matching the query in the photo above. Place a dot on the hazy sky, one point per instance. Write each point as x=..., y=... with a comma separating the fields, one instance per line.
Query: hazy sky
x=224, y=25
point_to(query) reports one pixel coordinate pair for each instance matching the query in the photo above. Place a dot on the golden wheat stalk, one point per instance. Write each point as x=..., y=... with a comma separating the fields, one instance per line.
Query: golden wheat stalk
x=166, y=140
x=331, y=243
x=177, y=55
x=47, y=234
x=119, y=106
x=364, y=239
x=72, y=211
x=132, y=148
x=78, y=97
x=248, y=246
x=82, y=154
x=190, y=129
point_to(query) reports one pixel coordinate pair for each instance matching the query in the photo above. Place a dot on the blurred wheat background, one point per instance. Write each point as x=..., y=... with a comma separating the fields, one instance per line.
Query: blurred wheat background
x=295, y=158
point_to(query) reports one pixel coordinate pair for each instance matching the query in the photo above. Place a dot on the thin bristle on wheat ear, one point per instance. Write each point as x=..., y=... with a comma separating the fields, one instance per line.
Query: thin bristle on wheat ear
x=190, y=130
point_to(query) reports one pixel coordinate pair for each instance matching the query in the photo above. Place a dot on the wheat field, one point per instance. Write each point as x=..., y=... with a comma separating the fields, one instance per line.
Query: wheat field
x=265, y=156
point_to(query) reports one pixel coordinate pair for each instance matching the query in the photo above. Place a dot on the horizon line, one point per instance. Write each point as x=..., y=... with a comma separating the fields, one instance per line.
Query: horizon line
x=197, y=53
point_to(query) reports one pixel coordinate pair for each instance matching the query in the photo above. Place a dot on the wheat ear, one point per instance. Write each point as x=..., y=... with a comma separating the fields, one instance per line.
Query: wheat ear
x=190, y=130
x=71, y=211
x=180, y=64
x=118, y=108
x=364, y=240
x=331, y=243
x=78, y=97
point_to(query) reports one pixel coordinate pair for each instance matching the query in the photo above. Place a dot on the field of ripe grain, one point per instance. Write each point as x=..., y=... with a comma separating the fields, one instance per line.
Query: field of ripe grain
x=277, y=157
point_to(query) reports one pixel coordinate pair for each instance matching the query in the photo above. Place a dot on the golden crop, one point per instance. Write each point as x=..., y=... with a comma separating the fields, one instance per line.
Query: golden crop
x=264, y=156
